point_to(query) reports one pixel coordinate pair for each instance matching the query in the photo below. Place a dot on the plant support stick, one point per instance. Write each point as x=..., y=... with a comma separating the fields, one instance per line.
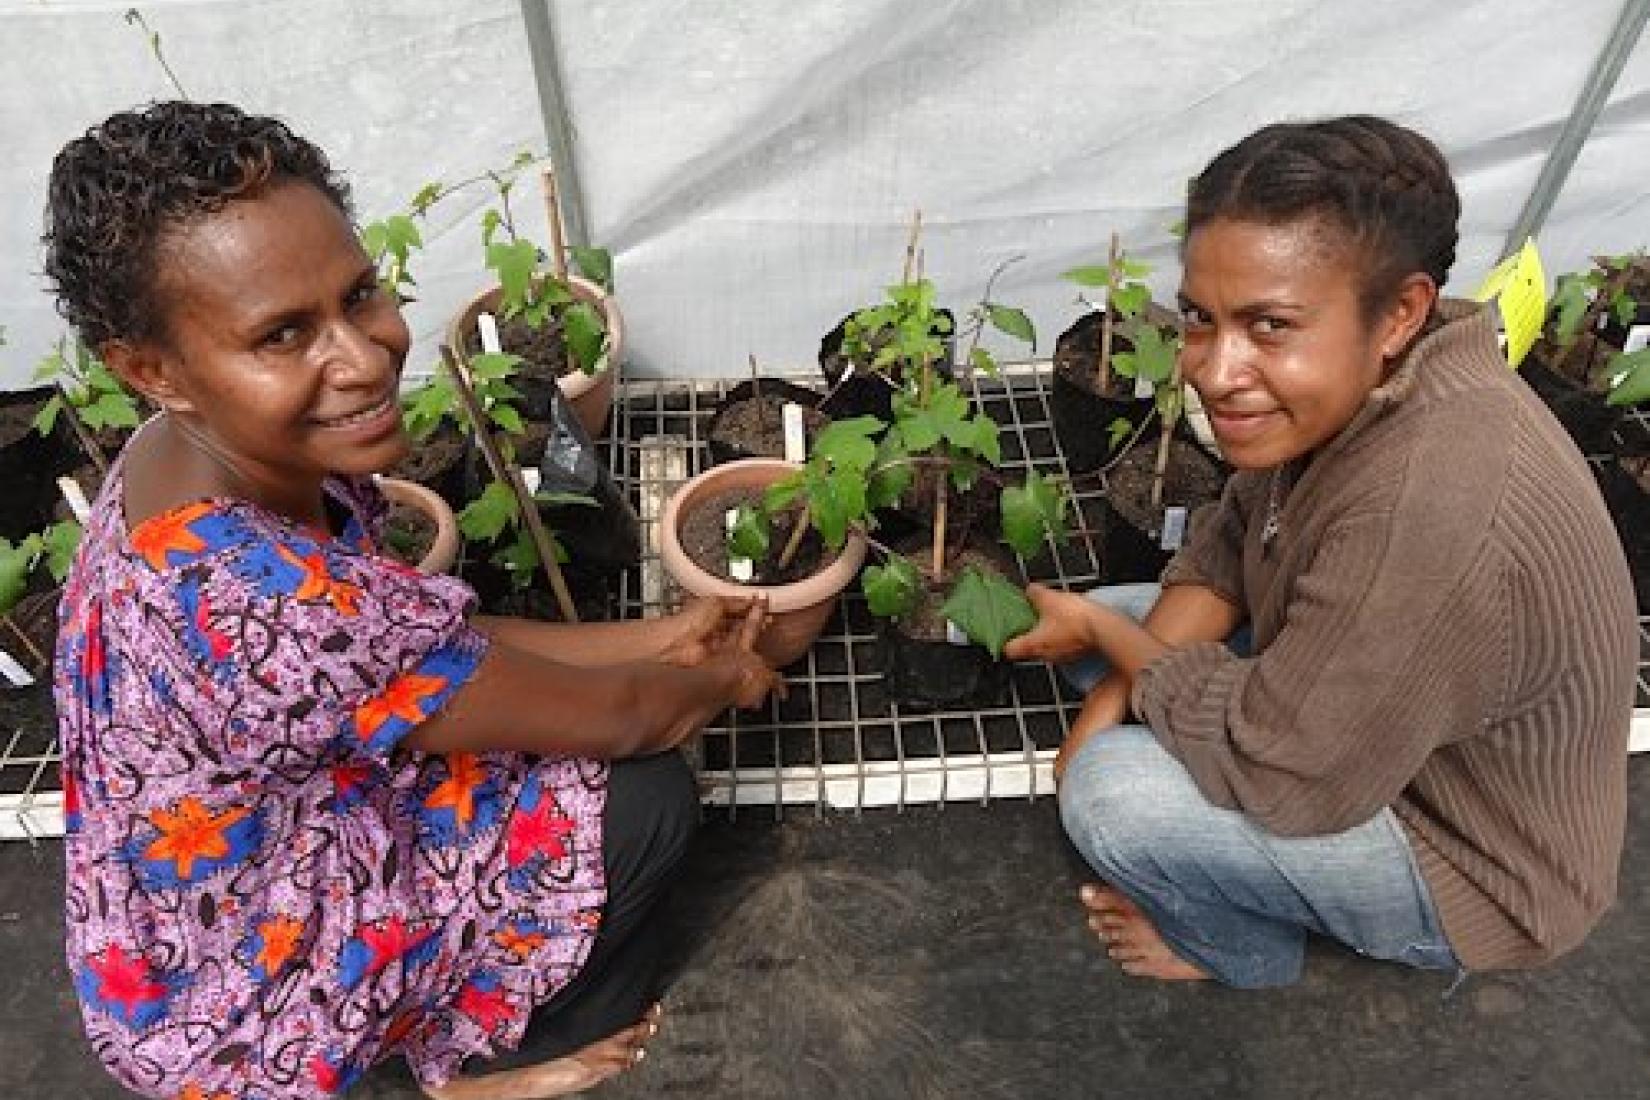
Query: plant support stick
x=511, y=477
x=1105, y=318
x=552, y=211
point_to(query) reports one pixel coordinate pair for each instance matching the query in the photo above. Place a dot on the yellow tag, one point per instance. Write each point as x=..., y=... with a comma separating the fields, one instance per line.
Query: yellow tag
x=1519, y=285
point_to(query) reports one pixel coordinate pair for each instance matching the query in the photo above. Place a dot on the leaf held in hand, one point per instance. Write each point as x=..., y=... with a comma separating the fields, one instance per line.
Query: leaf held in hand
x=989, y=610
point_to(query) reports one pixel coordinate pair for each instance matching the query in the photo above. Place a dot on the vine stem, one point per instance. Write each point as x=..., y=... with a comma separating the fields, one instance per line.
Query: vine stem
x=510, y=476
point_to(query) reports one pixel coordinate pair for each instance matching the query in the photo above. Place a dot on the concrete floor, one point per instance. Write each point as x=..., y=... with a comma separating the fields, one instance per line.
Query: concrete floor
x=939, y=953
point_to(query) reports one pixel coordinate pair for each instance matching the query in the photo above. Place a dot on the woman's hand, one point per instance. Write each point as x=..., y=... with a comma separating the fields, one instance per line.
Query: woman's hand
x=706, y=626
x=1064, y=630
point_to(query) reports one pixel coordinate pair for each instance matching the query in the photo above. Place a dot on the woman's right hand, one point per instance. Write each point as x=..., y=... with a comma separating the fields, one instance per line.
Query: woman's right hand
x=753, y=680
x=1063, y=631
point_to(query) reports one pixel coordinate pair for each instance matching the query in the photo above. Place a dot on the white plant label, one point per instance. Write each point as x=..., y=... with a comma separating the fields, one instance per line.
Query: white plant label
x=796, y=444
x=955, y=634
x=532, y=477
x=15, y=674
x=76, y=497
x=1142, y=387
x=1174, y=528
x=1638, y=338
x=740, y=569
x=487, y=327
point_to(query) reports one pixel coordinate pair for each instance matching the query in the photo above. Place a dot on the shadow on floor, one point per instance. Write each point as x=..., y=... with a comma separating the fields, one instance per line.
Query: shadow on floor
x=939, y=953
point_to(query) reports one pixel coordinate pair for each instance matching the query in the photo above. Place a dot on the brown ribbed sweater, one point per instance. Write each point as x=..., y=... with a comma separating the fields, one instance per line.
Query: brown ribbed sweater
x=1443, y=624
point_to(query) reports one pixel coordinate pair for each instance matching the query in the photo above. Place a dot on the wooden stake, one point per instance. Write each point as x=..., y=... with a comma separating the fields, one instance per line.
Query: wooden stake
x=911, y=246
x=82, y=434
x=1164, y=440
x=40, y=659
x=558, y=235
x=1105, y=318
x=511, y=478
x=794, y=543
x=937, y=551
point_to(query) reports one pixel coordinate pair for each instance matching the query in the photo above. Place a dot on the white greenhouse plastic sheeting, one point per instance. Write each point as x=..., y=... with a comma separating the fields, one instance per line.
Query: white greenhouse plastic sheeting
x=753, y=165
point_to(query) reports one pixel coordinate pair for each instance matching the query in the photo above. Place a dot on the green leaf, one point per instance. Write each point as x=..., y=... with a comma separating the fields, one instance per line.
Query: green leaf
x=1014, y=322
x=486, y=517
x=782, y=493
x=595, y=264
x=989, y=609
x=848, y=444
x=426, y=197
x=46, y=419
x=1131, y=299
x=1117, y=431
x=892, y=590
x=1032, y=512
x=750, y=535
x=16, y=562
x=582, y=328
x=58, y=545
x=891, y=475
x=508, y=418
x=983, y=361
x=1634, y=389
x=1092, y=275
x=515, y=263
x=1624, y=307
x=490, y=223
x=1570, y=301
x=494, y=364
x=112, y=410
x=1133, y=269
x=1154, y=355
x=837, y=503
x=520, y=557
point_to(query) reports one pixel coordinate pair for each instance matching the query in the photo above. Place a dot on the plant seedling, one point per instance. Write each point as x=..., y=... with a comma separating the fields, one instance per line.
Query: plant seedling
x=54, y=547
x=1611, y=288
x=88, y=395
x=1125, y=296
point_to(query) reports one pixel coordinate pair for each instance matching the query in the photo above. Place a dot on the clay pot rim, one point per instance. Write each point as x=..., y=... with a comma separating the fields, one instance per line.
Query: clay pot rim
x=810, y=592
x=576, y=383
x=443, y=551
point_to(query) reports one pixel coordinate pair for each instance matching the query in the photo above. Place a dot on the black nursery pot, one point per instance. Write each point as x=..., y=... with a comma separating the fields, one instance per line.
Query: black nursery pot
x=1083, y=417
x=603, y=540
x=925, y=675
x=30, y=464
x=1131, y=554
x=1630, y=508
x=1583, y=412
x=723, y=451
x=866, y=394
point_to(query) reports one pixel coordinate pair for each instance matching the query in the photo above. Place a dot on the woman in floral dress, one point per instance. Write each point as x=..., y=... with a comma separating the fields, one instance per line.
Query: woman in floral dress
x=319, y=811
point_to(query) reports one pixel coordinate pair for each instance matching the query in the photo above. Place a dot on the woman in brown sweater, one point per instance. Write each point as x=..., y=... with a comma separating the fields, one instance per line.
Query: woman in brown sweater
x=1420, y=750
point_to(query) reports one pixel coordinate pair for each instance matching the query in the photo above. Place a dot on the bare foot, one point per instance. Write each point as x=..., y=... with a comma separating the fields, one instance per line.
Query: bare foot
x=1132, y=941
x=583, y=1069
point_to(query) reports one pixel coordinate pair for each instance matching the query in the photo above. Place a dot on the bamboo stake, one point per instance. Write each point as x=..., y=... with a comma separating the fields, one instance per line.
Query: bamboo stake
x=911, y=246
x=1166, y=438
x=1105, y=318
x=511, y=478
x=40, y=659
x=82, y=434
x=558, y=235
x=794, y=543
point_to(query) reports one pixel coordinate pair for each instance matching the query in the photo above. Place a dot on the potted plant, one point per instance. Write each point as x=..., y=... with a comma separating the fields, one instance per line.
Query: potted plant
x=799, y=550
x=31, y=462
x=420, y=529
x=1096, y=400
x=566, y=328
x=1154, y=479
x=1579, y=355
x=749, y=421
x=28, y=604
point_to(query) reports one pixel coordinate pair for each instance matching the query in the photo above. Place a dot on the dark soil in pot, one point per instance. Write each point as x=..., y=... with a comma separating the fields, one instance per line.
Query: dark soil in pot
x=921, y=668
x=1083, y=413
x=968, y=514
x=863, y=392
x=1581, y=410
x=1629, y=504
x=409, y=533
x=750, y=424
x=704, y=538
x=29, y=463
x=497, y=594
x=604, y=539
x=1132, y=542
x=438, y=463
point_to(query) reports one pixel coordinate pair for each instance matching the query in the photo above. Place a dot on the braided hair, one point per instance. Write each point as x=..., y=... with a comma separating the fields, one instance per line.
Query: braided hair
x=117, y=192
x=1385, y=188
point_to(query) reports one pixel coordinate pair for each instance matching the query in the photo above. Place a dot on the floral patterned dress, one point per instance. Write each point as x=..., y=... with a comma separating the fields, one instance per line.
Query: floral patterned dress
x=265, y=897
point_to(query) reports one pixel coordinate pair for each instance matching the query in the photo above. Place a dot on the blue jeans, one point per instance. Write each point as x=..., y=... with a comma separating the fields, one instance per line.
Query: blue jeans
x=1223, y=892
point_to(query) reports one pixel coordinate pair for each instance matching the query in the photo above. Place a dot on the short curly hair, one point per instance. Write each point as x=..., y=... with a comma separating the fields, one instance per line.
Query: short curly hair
x=1385, y=186
x=120, y=189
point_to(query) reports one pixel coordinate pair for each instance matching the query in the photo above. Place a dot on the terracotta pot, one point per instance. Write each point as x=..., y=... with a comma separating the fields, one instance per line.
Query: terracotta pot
x=591, y=395
x=799, y=610
x=444, y=550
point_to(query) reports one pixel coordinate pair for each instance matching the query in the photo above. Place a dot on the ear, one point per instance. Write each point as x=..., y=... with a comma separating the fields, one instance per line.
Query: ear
x=149, y=369
x=1410, y=308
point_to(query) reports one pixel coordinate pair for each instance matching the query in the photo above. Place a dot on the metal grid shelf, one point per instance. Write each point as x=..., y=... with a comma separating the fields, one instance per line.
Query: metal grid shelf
x=838, y=742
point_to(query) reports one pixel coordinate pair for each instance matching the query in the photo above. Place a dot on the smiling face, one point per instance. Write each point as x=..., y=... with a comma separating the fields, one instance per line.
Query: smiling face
x=1275, y=341
x=281, y=355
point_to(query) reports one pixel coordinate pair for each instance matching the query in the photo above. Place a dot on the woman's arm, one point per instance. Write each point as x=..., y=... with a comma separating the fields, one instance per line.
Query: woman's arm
x=522, y=701
x=591, y=645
